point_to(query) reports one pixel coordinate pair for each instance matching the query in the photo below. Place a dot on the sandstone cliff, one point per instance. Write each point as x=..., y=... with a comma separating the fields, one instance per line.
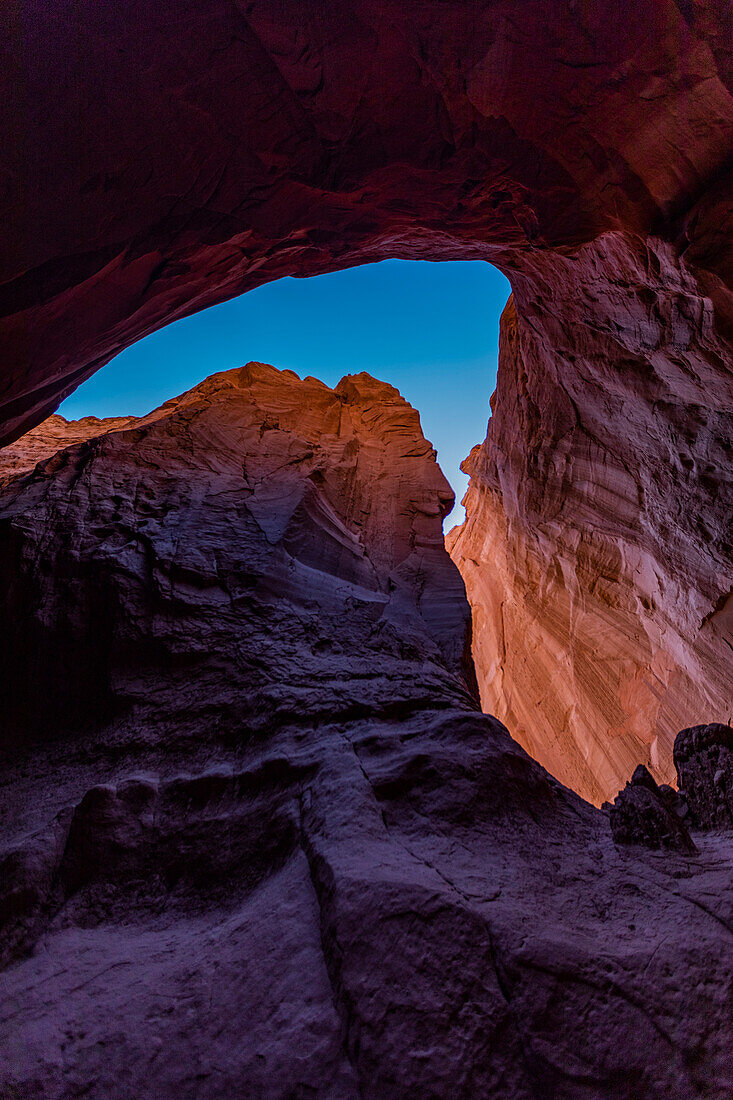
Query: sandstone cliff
x=132, y=545
x=257, y=838
x=598, y=546
x=174, y=156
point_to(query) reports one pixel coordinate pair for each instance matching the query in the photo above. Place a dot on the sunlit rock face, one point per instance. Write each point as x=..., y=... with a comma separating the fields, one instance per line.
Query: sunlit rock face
x=51, y=436
x=597, y=545
x=257, y=838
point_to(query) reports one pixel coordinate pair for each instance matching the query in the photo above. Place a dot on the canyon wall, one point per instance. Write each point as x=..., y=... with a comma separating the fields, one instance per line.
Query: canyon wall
x=257, y=837
x=163, y=158
x=598, y=545
x=258, y=840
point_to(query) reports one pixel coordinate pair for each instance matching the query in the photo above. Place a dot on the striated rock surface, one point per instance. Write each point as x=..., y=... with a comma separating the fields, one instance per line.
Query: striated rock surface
x=598, y=550
x=166, y=157
x=257, y=839
x=51, y=436
x=116, y=556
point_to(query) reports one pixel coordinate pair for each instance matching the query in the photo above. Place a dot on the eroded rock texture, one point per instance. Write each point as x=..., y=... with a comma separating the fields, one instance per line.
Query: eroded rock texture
x=278, y=852
x=645, y=813
x=162, y=157
x=256, y=835
x=703, y=756
x=115, y=557
x=51, y=436
x=598, y=548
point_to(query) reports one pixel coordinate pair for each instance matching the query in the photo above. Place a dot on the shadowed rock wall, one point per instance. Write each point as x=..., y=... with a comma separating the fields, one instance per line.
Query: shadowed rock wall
x=123, y=556
x=284, y=854
x=160, y=158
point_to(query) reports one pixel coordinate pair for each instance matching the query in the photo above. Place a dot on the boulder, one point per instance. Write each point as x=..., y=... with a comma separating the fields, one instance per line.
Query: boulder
x=703, y=757
x=642, y=814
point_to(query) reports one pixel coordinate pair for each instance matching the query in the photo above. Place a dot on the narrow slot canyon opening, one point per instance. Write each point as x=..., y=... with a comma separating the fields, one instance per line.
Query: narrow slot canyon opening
x=430, y=329
x=565, y=636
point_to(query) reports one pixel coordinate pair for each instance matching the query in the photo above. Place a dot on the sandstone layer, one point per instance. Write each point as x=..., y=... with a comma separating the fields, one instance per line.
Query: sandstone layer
x=598, y=545
x=161, y=513
x=258, y=840
x=164, y=157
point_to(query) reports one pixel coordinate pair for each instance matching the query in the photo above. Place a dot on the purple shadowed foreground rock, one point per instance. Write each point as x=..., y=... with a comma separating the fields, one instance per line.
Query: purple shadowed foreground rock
x=257, y=839
x=703, y=757
x=644, y=813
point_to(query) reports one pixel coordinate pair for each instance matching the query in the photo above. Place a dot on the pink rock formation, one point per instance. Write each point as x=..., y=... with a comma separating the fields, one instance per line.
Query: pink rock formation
x=51, y=436
x=341, y=480
x=165, y=157
x=597, y=546
x=257, y=838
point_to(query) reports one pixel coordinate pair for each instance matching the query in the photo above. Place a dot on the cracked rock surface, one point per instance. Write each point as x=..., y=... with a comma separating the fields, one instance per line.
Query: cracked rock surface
x=257, y=838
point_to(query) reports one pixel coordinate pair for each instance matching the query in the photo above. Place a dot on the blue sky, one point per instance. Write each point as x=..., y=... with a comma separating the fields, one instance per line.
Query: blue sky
x=430, y=329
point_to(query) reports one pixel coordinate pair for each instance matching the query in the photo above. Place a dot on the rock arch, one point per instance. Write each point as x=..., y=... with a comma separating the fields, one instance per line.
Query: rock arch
x=160, y=158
